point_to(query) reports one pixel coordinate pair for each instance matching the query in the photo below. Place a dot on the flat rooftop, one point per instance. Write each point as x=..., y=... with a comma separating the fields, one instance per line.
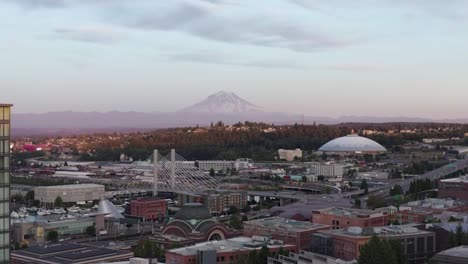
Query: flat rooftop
x=5, y=105
x=385, y=231
x=282, y=223
x=463, y=179
x=460, y=253
x=61, y=253
x=349, y=212
x=71, y=186
x=228, y=245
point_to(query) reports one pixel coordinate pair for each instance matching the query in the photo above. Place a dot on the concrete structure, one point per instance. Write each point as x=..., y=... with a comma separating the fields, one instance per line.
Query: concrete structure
x=69, y=193
x=36, y=231
x=70, y=253
x=353, y=144
x=457, y=255
x=221, y=165
x=224, y=251
x=289, y=154
x=338, y=217
x=5, y=182
x=151, y=209
x=328, y=170
x=454, y=188
x=417, y=245
x=293, y=232
x=305, y=257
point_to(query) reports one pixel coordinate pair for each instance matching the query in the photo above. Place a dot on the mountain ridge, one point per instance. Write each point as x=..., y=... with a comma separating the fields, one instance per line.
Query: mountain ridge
x=221, y=106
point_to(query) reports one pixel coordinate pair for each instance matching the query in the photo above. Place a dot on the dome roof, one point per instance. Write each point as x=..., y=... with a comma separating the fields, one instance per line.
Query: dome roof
x=193, y=211
x=352, y=143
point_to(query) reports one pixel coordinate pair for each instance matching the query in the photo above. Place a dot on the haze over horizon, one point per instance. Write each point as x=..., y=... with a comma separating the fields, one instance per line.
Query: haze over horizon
x=319, y=58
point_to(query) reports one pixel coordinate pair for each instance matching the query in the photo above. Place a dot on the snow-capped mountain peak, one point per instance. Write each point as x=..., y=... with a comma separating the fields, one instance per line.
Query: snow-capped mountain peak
x=222, y=102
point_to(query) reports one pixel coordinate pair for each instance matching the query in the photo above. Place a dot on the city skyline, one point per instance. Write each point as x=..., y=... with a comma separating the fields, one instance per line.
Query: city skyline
x=392, y=58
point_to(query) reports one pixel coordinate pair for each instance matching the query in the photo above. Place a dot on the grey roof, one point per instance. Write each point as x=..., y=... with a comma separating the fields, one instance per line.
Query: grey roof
x=108, y=209
x=193, y=211
x=352, y=143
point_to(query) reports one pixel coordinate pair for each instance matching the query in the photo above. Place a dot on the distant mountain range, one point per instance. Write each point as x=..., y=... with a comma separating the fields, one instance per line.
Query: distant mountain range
x=221, y=106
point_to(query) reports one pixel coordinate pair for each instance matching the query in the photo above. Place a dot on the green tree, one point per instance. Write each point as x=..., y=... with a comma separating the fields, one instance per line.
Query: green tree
x=29, y=196
x=304, y=178
x=233, y=210
x=364, y=186
x=328, y=190
x=212, y=172
x=91, y=230
x=376, y=201
x=149, y=249
x=246, y=209
x=396, y=190
x=58, y=201
x=377, y=251
x=320, y=178
x=52, y=236
x=235, y=222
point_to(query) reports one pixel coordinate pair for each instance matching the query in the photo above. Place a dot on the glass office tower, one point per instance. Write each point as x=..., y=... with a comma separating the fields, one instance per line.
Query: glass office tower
x=5, y=183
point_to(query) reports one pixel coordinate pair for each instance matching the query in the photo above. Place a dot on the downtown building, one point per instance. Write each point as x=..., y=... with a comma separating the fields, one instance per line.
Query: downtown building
x=417, y=245
x=5, y=182
x=339, y=218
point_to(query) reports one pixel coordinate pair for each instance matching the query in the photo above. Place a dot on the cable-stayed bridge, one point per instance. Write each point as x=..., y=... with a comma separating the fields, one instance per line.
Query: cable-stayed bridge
x=172, y=173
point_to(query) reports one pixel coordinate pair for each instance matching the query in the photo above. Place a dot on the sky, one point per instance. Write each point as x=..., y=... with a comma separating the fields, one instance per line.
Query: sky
x=327, y=58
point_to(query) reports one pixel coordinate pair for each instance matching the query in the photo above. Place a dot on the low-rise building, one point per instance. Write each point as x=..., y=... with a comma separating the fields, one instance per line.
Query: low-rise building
x=73, y=253
x=338, y=217
x=223, y=251
x=456, y=188
x=69, y=193
x=36, y=231
x=328, y=170
x=456, y=255
x=417, y=245
x=298, y=233
x=289, y=154
x=150, y=209
x=305, y=257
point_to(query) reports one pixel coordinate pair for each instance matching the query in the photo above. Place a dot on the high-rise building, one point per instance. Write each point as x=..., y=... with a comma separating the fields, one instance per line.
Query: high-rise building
x=5, y=183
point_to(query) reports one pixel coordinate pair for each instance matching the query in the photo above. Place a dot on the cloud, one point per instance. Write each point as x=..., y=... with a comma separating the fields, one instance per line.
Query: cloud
x=203, y=19
x=447, y=9
x=89, y=34
x=356, y=67
x=39, y=3
x=210, y=57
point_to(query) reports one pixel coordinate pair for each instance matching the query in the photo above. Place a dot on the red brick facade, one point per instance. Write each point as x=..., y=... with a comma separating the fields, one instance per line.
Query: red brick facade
x=149, y=209
x=453, y=189
x=354, y=219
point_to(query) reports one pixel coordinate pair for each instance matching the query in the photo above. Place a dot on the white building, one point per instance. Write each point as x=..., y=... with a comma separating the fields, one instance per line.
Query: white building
x=289, y=154
x=69, y=193
x=328, y=170
x=222, y=165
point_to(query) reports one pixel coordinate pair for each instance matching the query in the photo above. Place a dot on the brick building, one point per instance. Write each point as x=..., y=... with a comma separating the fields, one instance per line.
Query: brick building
x=223, y=251
x=221, y=201
x=453, y=188
x=149, y=208
x=417, y=245
x=289, y=231
x=338, y=218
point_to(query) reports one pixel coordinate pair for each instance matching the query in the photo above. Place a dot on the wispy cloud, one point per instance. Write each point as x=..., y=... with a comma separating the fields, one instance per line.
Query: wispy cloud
x=203, y=19
x=89, y=34
x=356, y=67
x=210, y=57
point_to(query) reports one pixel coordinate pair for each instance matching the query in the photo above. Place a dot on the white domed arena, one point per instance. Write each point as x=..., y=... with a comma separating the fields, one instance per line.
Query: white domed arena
x=353, y=144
